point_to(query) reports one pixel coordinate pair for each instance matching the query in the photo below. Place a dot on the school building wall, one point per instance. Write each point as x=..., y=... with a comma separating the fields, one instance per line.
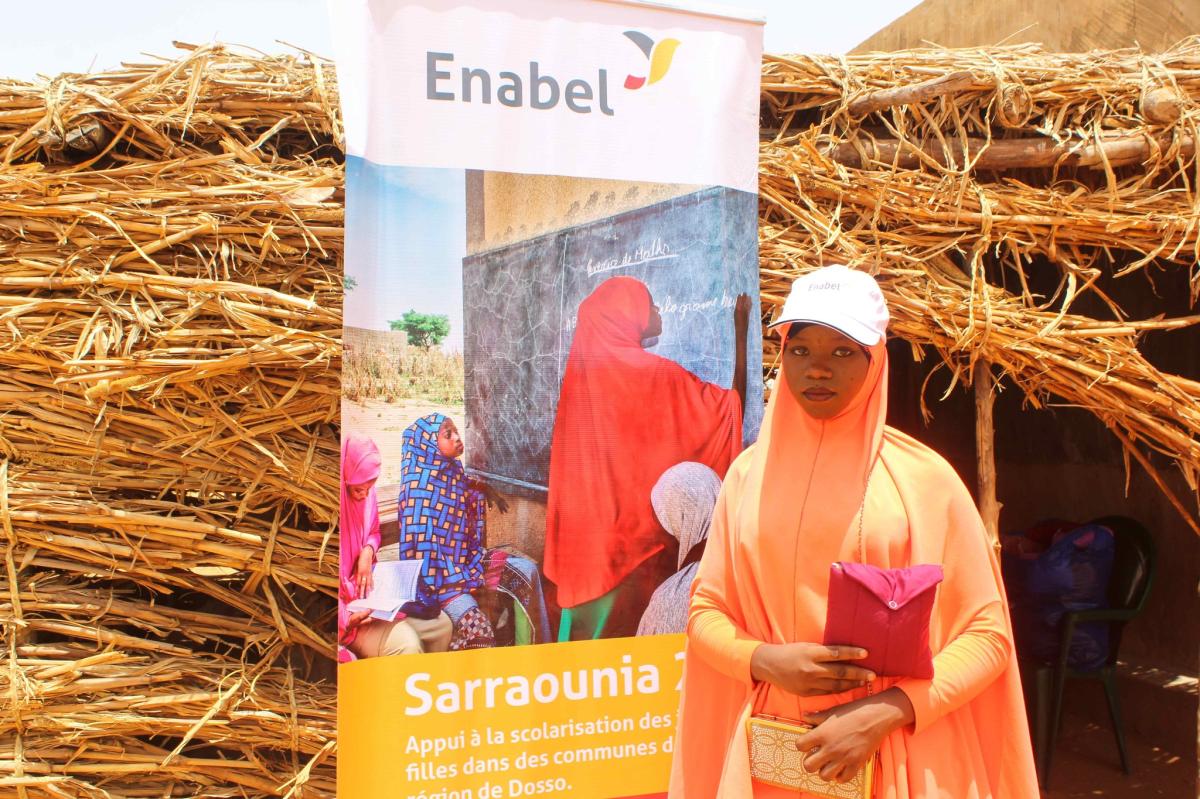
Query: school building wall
x=504, y=208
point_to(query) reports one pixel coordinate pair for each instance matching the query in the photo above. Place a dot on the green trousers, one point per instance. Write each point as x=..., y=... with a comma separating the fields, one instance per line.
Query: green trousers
x=586, y=621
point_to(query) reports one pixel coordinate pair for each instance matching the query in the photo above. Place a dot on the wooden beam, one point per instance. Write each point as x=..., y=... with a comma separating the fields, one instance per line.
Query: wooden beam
x=1002, y=154
x=916, y=93
x=985, y=449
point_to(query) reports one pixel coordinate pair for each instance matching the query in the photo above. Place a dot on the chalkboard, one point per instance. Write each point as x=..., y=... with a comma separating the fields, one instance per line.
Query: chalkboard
x=695, y=253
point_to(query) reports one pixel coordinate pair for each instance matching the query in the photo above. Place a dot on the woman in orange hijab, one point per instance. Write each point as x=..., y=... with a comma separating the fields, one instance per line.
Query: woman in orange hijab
x=828, y=481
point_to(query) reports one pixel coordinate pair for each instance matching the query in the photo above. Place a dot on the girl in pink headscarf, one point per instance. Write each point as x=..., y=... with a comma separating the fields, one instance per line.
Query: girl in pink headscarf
x=358, y=634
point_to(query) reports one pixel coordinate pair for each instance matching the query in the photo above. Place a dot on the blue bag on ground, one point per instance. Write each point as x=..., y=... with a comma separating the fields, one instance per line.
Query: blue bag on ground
x=1071, y=574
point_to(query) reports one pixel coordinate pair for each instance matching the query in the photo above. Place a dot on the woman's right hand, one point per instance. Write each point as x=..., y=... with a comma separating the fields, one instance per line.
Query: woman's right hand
x=741, y=313
x=364, y=578
x=810, y=669
x=494, y=498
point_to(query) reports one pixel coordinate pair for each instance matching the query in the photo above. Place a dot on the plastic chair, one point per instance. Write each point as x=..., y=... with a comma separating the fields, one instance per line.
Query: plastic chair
x=1133, y=572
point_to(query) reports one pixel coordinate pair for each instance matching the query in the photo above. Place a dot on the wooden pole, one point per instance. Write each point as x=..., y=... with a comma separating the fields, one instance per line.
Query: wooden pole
x=985, y=450
x=1001, y=154
x=916, y=93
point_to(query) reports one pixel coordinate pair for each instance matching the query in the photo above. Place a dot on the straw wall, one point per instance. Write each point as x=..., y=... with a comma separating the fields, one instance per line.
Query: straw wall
x=170, y=311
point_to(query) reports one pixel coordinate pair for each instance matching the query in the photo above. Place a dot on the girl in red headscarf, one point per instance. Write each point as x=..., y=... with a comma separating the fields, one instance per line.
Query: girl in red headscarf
x=624, y=417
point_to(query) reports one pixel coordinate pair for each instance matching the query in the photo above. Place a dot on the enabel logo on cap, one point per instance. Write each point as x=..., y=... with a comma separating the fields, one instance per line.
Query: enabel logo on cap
x=827, y=285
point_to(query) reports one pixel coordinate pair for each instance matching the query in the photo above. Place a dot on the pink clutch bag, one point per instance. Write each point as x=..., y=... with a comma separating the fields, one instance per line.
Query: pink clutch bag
x=887, y=613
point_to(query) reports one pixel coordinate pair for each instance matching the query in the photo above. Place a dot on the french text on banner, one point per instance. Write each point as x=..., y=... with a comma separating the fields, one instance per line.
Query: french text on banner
x=590, y=719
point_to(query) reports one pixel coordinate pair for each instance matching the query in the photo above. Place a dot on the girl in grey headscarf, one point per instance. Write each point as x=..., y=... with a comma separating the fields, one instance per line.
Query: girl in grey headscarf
x=683, y=500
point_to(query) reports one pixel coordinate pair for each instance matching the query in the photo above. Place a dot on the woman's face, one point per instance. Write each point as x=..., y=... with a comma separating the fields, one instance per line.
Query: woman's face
x=450, y=443
x=824, y=369
x=358, y=492
x=654, y=326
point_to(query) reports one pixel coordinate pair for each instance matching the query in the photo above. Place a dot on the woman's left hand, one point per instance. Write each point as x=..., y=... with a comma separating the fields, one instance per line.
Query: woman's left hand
x=355, y=621
x=847, y=736
x=363, y=579
x=492, y=496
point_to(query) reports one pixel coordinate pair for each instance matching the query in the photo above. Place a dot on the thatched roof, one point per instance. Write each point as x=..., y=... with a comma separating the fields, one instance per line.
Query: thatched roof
x=966, y=177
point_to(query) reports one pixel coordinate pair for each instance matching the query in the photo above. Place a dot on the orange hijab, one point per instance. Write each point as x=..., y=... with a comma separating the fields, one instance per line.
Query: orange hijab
x=789, y=507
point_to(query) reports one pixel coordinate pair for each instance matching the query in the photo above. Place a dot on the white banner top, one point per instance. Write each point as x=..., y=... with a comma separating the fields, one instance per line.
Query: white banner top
x=582, y=88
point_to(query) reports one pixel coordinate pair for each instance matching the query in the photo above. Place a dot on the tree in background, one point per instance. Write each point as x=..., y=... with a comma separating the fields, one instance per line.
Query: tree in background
x=423, y=330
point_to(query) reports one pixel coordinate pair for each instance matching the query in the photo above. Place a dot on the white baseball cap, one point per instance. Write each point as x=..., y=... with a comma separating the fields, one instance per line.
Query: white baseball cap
x=837, y=296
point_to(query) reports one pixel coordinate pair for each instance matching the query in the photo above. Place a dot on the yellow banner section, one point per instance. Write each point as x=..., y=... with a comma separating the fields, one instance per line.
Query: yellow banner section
x=588, y=719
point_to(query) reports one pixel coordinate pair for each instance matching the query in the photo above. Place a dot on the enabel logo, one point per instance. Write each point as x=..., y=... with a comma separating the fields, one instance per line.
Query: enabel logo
x=659, y=55
x=536, y=89
x=542, y=91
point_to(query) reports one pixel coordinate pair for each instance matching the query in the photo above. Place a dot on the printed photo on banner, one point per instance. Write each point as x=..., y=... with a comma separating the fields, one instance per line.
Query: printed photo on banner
x=545, y=379
x=608, y=349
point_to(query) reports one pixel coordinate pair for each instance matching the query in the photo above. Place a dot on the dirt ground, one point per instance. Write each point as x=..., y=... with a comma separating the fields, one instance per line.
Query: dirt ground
x=385, y=423
x=1086, y=765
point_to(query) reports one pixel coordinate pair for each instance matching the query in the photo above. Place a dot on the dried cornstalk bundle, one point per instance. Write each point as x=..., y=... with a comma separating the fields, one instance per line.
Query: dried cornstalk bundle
x=989, y=90
x=961, y=176
x=170, y=345
x=122, y=723
x=211, y=98
x=1069, y=223
x=237, y=445
x=170, y=548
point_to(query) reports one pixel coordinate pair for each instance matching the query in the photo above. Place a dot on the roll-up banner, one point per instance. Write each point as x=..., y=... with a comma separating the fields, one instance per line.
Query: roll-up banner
x=552, y=356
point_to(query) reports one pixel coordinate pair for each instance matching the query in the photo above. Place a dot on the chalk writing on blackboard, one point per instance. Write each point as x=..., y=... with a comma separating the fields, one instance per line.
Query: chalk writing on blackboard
x=695, y=253
x=657, y=250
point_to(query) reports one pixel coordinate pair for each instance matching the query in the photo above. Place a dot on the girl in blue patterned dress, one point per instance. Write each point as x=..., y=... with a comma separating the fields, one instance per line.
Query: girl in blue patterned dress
x=442, y=516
